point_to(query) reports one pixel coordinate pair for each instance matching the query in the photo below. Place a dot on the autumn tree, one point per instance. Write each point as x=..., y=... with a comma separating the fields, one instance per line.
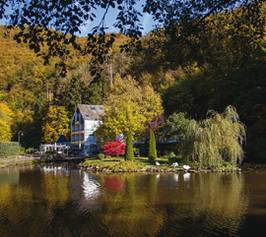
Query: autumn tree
x=28, y=86
x=128, y=108
x=5, y=122
x=56, y=122
x=56, y=24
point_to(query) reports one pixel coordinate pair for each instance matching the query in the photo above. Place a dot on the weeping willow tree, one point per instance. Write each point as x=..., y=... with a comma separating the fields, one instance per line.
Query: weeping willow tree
x=216, y=139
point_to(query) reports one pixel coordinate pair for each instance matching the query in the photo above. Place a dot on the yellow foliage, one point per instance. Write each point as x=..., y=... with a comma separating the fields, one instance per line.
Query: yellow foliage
x=129, y=107
x=55, y=124
x=5, y=122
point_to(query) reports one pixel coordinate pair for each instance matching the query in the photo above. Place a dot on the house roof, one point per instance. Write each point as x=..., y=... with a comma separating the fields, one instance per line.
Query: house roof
x=91, y=112
x=62, y=139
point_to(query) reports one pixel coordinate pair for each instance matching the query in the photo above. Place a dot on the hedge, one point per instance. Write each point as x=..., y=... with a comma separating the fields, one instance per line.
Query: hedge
x=9, y=149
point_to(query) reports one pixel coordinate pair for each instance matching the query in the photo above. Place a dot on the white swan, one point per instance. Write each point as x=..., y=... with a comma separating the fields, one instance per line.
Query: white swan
x=175, y=164
x=157, y=163
x=186, y=167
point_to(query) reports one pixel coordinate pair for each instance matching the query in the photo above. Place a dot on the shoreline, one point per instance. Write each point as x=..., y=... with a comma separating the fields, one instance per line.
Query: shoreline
x=95, y=169
x=17, y=160
x=115, y=166
x=102, y=166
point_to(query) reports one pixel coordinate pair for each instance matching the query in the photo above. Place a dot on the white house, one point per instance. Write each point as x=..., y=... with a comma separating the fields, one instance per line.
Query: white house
x=85, y=121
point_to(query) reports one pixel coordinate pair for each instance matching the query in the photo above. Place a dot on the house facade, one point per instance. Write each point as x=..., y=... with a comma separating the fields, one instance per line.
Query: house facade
x=85, y=121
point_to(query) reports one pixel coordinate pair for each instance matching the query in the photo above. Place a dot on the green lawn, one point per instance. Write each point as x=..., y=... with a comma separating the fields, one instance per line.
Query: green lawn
x=119, y=164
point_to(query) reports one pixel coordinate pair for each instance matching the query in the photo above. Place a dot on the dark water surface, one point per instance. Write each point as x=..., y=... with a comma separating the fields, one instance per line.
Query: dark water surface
x=64, y=201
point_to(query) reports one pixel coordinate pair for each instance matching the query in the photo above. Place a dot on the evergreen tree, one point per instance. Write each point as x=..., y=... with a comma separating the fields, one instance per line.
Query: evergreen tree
x=129, y=147
x=152, y=147
x=73, y=95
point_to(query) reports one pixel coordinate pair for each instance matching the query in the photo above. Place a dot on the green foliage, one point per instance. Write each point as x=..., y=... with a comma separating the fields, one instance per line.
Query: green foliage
x=81, y=90
x=30, y=150
x=216, y=139
x=128, y=108
x=172, y=157
x=56, y=123
x=100, y=156
x=27, y=86
x=244, y=88
x=73, y=95
x=129, y=147
x=9, y=149
x=152, y=147
x=175, y=126
x=220, y=61
x=115, y=164
x=224, y=64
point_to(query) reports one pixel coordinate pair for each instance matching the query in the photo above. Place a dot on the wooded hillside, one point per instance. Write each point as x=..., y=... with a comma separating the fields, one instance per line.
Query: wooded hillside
x=224, y=65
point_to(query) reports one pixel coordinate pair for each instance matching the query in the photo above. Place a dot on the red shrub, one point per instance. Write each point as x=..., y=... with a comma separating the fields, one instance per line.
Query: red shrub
x=114, y=148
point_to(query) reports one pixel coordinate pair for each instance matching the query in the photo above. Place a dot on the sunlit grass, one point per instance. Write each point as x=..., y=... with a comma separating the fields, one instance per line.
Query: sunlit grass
x=142, y=164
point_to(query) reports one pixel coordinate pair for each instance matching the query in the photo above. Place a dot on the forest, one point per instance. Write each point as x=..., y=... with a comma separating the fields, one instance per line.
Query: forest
x=223, y=65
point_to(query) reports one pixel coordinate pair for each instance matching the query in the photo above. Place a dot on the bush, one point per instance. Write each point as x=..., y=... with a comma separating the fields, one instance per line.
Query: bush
x=9, y=149
x=100, y=156
x=171, y=158
x=30, y=150
x=114, y=148
x=136, y=151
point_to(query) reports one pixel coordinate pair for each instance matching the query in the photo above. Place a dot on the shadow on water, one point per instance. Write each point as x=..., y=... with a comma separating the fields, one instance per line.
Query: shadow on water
x=63, y=201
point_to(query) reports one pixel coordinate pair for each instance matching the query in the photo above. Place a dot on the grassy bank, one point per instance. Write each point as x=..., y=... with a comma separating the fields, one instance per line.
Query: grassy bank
x=17, y=160
x=142, y=164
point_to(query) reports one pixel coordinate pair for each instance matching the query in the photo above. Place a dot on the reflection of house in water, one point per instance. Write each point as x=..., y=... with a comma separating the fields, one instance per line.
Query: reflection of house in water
x=84, y=123
x=84, y=190
x=90, y=187
x=50, y=168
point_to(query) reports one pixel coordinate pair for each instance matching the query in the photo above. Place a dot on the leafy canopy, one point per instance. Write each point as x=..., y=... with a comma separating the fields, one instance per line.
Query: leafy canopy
x=56, y=123
x=217, y=138
x=129, y=107
x=54, y=25
x=5, y=122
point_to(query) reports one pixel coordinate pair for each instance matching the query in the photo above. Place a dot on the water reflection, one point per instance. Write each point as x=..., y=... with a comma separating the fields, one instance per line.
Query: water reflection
x=61, y=201
x=114, y=183
x=55, y=169
x=176, y=177
x=186, y=177
x=90, y=187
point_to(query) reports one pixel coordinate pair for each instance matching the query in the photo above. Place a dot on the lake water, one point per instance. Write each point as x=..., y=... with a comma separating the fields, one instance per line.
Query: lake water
x=64, y=201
